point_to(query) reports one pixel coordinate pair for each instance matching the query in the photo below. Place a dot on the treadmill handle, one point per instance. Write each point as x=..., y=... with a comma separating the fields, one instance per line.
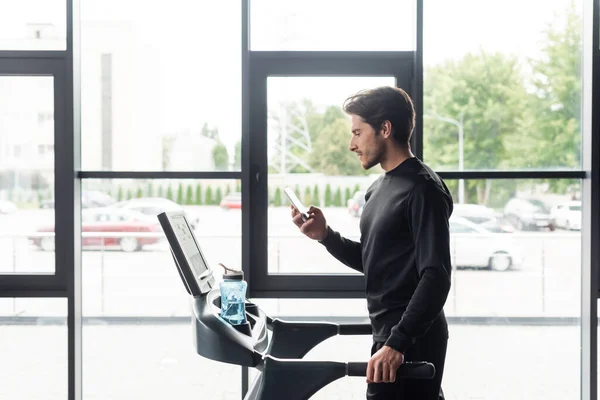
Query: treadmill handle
x=408, y=370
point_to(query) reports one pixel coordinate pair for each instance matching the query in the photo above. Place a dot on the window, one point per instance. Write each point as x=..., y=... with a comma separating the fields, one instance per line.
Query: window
x=169, y=94
x=332, y=25
x=33, y=348
x=516, y=270
x=26, y=180
x=507, y=101
x=133, y=295
x=33, y=25
x=308, y=136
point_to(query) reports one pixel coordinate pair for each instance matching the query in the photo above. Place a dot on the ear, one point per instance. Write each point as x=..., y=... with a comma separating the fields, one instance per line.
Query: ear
x=386, y=129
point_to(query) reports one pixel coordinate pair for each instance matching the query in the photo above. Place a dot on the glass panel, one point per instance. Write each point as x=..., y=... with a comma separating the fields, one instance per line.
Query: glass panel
x=133, y=297
x=34, y=348
x=521, y=237
x=153, y=79
x=307, y=129
x=332, y=25
x=502, y=101
x=27, y=174
x=33, y=25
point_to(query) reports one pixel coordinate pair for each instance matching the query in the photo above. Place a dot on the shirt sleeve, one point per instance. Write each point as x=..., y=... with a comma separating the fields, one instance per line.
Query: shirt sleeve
x=429, y=209
x=348, y=252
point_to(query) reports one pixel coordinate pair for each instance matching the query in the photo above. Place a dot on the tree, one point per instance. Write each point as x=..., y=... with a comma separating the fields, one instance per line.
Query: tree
x=307, y=197
x=277, y=197
x=551, y=128
x=316, y=197
x=198, y=194
x=218, y=195
x=180, y=194
x=189, y=195
x=237, y=156
x=209, y=196
x=170, y=193
x=485, y=94
x=220, y=157
x=330, y=153
x=211, y=133
x=337, y=198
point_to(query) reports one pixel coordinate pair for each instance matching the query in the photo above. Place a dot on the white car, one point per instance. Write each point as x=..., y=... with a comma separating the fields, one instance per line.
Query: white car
x=472, y=245
x=7, y=207
x=152, y=206
x=567, y=215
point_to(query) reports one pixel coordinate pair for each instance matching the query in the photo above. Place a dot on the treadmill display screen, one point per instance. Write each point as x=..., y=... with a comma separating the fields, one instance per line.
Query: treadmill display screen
x=188, y=245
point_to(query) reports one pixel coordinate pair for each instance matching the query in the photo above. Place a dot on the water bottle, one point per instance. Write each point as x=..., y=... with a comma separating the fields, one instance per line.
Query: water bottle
x=233, y=296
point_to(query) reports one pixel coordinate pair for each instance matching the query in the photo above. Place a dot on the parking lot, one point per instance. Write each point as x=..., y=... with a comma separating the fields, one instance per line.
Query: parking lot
x=150, y=360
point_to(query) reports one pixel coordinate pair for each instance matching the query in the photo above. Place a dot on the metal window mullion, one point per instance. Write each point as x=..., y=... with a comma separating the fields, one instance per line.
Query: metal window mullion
x=159, y=174
x=33, y=54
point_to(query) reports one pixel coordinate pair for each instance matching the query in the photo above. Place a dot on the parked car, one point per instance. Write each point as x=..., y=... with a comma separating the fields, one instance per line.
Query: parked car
x=7, y=207
x=567, y=215
x=107, y=220
x=485, y=216
x=152, y=206
x=232, y=201
x=356, y=203
x=89, y=199
x=528, y=214
x=474, y=246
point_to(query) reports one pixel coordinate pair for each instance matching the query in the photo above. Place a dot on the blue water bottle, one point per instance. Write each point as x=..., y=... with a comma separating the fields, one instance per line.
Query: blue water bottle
x=233, y=296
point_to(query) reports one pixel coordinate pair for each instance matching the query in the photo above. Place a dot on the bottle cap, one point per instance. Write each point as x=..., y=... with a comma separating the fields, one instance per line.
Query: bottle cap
x=232, y=274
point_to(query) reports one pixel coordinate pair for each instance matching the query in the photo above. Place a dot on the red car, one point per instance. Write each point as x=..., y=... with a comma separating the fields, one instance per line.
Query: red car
x=232, y=201
x=105, y=222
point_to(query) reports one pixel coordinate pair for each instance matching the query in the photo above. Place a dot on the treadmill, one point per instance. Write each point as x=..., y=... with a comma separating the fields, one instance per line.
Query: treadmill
x=282, y=373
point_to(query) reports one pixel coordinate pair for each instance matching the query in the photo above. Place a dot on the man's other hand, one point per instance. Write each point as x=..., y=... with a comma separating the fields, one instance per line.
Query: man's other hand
x=316, y=225
x=383, y=365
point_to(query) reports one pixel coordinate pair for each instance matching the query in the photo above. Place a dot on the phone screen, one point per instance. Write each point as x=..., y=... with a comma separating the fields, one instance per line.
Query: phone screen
x=296, y=203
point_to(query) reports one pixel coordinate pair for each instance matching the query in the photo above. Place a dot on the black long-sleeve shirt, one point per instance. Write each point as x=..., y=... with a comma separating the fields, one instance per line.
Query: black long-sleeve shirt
x=404, y=252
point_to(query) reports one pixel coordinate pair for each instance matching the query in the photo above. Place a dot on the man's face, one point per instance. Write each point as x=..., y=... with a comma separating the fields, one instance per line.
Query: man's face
x=366, y=142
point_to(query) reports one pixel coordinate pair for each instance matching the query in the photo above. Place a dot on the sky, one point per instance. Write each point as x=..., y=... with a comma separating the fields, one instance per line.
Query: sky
x=195, y=44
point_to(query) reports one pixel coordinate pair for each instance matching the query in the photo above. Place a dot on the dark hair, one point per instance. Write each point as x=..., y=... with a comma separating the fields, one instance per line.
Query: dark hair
x=381, y=104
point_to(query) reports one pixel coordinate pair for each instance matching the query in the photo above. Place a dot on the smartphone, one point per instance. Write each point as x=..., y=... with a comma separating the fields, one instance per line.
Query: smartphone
x=297, y=203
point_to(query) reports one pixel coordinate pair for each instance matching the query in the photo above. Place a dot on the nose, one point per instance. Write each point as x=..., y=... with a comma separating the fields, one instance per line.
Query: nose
x=352, y=146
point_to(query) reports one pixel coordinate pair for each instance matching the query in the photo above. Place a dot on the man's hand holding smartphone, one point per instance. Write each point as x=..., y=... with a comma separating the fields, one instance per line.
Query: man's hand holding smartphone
x=315, y=227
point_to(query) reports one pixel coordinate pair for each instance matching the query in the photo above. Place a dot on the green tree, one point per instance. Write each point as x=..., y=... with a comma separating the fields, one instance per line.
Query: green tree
x=307, y=197
x=198, y=194
x=129, y=195
x=484, y=94
x=220, y=157
x=237, y=156
x=161, y=191
x=218, y=195
x=150, y=190
x=120, y=194
x=170, y=193
x=189, y=195
x=209, y=196
x=316, y=197
x=328, y=198
x=180, y=194
x=551, y=124
x=139, y=194
x=277, y=197
x=330, y=153
x=238, y=186
x=347, y=196
x=337, y=198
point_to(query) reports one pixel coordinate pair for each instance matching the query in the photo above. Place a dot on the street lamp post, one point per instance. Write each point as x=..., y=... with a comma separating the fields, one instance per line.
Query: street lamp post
x=461, y=154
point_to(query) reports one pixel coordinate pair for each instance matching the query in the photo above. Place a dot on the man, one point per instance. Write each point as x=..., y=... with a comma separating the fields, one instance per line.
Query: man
x=404, y=250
